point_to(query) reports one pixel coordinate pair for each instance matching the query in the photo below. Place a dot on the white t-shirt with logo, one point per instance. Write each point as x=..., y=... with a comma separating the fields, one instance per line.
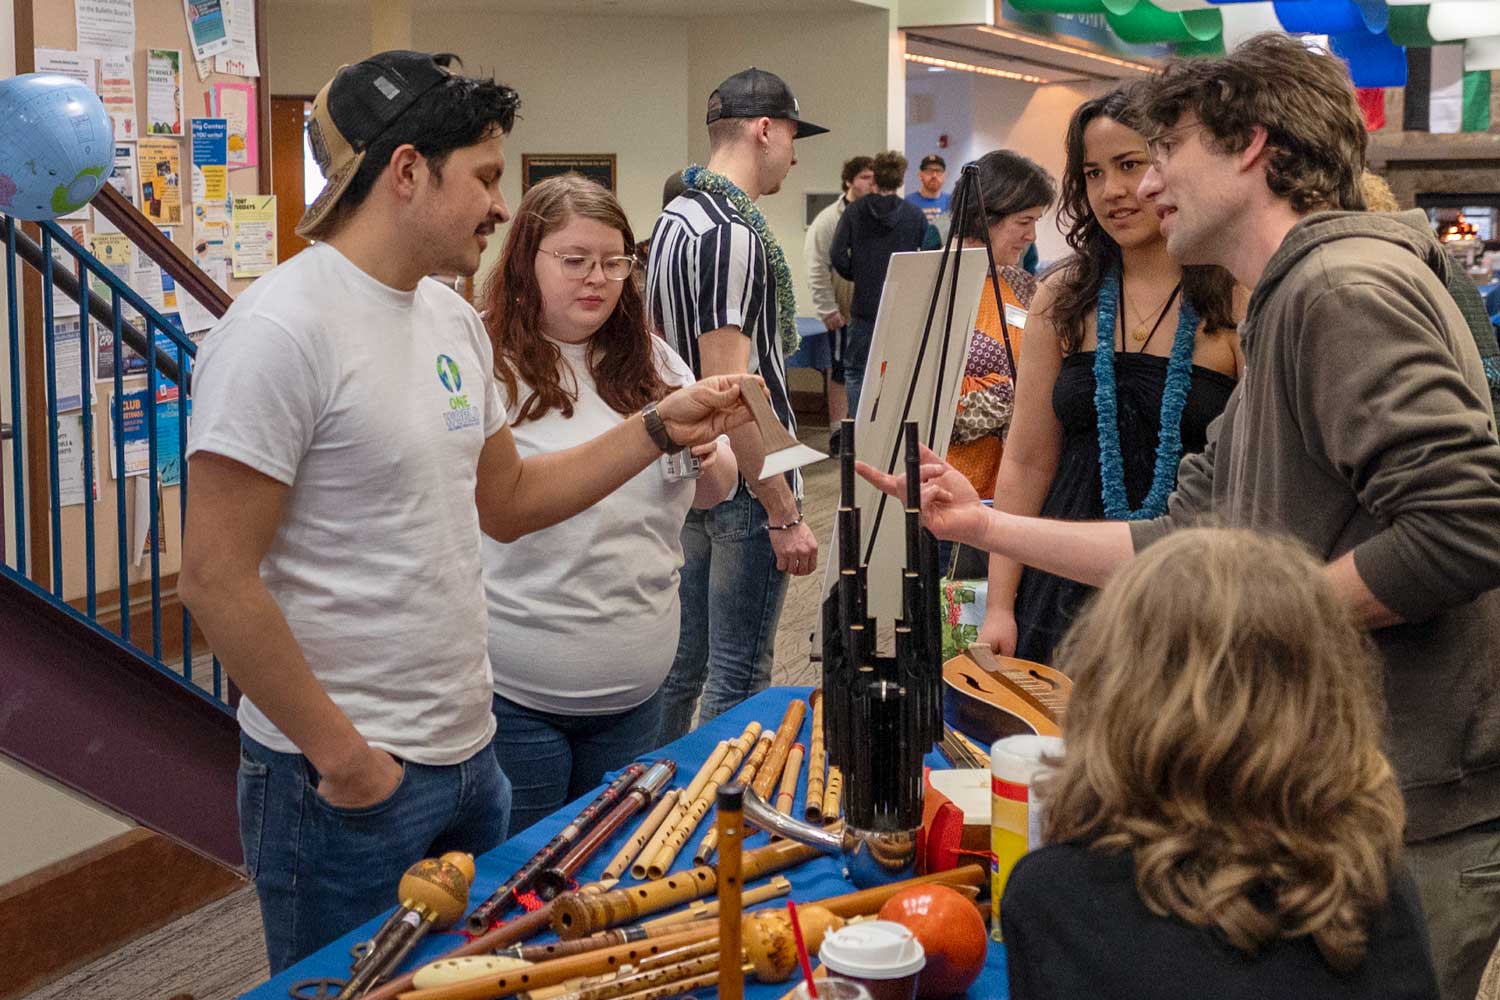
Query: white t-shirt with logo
x=372, y=404
x=584, y=615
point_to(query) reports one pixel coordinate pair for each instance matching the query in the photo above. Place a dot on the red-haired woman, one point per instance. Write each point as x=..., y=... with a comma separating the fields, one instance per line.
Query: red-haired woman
x=583, y=615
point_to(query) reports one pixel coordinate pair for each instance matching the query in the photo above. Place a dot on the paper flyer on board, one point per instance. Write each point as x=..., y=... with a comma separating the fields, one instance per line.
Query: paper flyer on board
x=210, y=160
x=207, y=32
x=240, y=58
x=67, y=363
x=163, y=92
x=74, y=65
x=235, y=102
x=72, y=481
x=123, y=181
x=117, y=91
x=105, y=25
x=62, y=260
x=254, y=235
x=161, y=180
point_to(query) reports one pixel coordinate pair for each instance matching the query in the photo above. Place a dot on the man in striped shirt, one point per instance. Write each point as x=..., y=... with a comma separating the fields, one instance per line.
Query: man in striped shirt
x=712, y=290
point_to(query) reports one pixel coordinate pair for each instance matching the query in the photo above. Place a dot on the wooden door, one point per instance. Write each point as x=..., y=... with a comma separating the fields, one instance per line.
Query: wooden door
x=288, y=121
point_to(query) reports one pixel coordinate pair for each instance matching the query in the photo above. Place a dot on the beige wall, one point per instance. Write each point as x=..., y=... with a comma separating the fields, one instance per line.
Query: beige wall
x=43, y=823
x=307, y=42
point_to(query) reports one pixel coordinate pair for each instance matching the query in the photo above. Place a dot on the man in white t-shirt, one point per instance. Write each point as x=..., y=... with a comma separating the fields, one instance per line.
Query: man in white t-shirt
x=347, y=448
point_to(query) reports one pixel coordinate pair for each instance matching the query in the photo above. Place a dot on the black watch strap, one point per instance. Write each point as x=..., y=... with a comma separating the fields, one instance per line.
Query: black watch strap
x=657, y=428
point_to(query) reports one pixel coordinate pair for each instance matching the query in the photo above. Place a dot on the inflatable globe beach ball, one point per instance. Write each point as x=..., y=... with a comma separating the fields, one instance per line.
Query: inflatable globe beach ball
x=56, y=146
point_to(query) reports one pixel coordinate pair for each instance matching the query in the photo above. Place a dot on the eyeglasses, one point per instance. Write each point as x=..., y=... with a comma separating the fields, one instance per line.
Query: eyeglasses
x=578, y=266
x=1163, y=145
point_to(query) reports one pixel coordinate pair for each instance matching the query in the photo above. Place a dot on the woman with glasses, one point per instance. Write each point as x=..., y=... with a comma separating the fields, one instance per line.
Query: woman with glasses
x=1015, y=192
x=1128, y=357
x=583, y=615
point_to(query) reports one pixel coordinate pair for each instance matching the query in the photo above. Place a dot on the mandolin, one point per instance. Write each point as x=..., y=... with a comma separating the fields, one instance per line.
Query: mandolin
x=990, y=697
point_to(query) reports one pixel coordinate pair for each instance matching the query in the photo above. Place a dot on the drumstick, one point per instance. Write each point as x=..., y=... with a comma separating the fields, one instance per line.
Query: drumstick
x=788, y=792
x=638, y=868
x=786, y=735
x=710, y=840
x=730, y=822
x=642, y=835
x=817, y=762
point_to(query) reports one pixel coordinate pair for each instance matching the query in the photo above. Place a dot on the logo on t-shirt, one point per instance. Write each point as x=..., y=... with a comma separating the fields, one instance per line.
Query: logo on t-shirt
x=461, y=413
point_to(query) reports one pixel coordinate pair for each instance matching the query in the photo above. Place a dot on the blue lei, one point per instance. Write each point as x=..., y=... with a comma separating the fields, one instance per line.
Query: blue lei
x=1173, y=399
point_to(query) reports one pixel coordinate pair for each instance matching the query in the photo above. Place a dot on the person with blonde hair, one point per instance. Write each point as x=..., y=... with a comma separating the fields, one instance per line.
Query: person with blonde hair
x=574, y=359
x=1222, y=822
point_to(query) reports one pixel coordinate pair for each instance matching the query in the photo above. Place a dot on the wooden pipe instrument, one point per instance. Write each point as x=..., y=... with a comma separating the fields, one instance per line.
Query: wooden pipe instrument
x=553, y=880
x=817, y=762
x=434, y=893
x=503, y=898
x=677, y=839
x=730, y=820
x=705, y=852
x=620, y=864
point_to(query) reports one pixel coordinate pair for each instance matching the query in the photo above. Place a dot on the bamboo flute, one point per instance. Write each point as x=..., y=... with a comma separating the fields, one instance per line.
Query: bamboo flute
x=661, y=862
x=702, y=910
x=684, y=801
x=817, y=762
x=730, y=819
x=607, y=960
x=832, y=794
x=786, y=735
x=576, y=915
x=705, y=851
x=642, y=835
x=503, y=898
x=788, y=792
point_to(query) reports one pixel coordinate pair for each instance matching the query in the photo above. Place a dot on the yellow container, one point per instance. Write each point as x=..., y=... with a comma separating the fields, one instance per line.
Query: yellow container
x=1015, y=816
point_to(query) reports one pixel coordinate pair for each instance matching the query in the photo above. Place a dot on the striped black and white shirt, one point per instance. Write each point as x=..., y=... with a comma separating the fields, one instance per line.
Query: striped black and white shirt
x=708, y=269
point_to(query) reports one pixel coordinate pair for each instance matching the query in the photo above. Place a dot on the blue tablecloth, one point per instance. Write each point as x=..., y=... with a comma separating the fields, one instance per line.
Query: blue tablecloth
x=813, y=880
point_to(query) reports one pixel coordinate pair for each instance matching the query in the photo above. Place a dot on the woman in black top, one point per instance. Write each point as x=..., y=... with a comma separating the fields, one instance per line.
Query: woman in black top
x=1224, y=823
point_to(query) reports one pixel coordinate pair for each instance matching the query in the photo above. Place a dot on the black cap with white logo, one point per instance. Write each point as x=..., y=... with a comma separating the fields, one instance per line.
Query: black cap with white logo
x=755, y=93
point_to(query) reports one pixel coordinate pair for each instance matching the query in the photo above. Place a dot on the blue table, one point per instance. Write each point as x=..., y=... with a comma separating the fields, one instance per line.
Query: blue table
x=813, y=880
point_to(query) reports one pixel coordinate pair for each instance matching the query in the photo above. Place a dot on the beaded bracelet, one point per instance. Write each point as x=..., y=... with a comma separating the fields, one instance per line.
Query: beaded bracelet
x=783, y=527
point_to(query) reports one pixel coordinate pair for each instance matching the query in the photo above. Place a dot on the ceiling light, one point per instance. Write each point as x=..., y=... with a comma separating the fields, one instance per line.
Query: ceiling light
x=1029, y=39
x=931, y=61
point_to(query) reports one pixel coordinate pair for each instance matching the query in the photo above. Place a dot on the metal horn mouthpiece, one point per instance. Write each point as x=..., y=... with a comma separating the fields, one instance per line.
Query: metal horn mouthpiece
x=871, y=857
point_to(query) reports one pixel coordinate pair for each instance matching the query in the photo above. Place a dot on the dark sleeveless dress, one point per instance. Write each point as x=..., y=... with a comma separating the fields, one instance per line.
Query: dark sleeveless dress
x=1047, y=604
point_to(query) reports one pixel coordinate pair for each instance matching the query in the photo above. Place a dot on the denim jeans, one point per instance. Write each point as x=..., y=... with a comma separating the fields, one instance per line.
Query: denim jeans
x=731, y=601
x=552, y=759
x=861, y=332
x=321, y=871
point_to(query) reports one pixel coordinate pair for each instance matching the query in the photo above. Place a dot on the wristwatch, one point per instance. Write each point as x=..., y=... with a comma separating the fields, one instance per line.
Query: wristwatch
x=657, y=428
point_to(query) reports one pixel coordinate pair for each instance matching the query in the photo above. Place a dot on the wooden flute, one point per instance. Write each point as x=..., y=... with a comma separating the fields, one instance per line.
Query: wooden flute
x=787, y=794
x=710, y=841
x=606, y=960
x=684, y=802
x=661, y=863
x=817, y=762
x=786, y=735
x=577, y=915
x=832, y=793
x=553, y=880
x=503, y=898
x=620, y=864
x=730, y=820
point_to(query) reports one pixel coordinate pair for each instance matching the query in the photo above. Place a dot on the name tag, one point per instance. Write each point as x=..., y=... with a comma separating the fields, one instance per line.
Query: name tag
x=1015, y=316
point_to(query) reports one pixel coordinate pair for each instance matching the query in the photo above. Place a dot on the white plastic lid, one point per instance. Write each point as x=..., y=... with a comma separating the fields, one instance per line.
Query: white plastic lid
x=873, y=949
x=1018, y=759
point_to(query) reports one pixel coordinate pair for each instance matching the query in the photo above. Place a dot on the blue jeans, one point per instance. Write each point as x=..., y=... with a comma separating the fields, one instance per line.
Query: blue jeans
x=861, y=332
x=552, y=759
x=731, y=601
x=320, y=871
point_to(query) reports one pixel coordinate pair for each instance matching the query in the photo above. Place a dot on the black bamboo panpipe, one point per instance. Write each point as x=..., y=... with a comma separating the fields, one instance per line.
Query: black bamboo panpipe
x=503, y=898
x=553, y=880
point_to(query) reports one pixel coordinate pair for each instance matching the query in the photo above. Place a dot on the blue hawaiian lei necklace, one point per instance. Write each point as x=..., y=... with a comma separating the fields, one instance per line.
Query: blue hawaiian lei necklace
x=1106, y=405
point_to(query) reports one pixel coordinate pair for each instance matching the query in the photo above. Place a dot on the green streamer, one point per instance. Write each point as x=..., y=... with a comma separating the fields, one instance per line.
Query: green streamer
x=1194, y=49
x=1408, y=26
x=1147, y=23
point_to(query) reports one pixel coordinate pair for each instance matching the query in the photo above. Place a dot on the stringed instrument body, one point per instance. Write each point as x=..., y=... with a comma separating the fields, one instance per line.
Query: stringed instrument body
x=989, y=697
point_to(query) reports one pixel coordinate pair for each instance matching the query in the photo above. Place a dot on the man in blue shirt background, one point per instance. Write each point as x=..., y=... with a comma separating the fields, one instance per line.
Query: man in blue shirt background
x=931, y=198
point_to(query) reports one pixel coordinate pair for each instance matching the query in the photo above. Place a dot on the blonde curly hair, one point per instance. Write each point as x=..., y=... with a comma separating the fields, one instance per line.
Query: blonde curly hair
x=1224, y=727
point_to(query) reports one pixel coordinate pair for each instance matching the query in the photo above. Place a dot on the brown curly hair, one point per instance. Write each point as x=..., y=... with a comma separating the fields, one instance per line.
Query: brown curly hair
x=1303, y=99
x=621, y=358
x=1224, y=727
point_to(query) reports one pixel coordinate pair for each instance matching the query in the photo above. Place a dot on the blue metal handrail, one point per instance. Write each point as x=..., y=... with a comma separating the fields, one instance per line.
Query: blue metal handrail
x=160, y=357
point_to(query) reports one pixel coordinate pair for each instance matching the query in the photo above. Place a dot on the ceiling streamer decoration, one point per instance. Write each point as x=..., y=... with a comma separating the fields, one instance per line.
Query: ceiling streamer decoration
x=1482, y=53
x=1329, y=17
x=1374, y=60
x=1457, y=19
x=1408, y=26
x=1146, y=23
x=1245, y=20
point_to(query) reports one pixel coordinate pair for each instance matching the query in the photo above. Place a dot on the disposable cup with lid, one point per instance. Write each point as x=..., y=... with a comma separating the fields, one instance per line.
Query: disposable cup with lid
x=873, y=949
